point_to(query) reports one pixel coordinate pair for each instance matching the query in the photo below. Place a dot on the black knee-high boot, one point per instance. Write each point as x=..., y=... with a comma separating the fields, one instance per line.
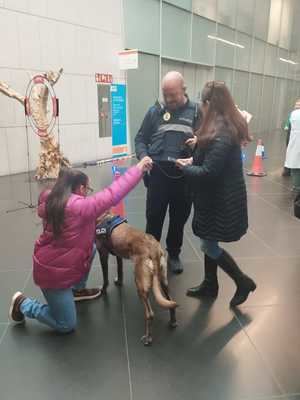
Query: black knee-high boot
x=209, y=287
x=244, y=284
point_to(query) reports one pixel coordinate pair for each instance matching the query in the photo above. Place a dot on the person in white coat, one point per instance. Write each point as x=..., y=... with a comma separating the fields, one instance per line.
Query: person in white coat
x=292, y=160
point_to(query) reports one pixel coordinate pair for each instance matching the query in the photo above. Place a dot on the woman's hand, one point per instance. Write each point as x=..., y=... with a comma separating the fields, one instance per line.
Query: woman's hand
x=183, y=162
x=145, y=164
x=192, y=142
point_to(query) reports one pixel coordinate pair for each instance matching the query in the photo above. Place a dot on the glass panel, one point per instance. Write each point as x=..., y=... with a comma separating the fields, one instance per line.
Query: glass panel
x=170, y=65
x=203, y=75
x=140, y=100
x=271, y=60
x=175, y=41
x=240, y=89
x=280, y=112
x=224, y=74
x=292, y=69
x=245, y=16
x=261, y=20
x=254, y=101
x=274, y=21
x=282, y=66
x=267, y=105
x=225, y=51
x=203, y=48
x=295, y=34
x=258, y=56
x=243, y=55
x=187, y=4
x=147, y=25
x=227, y=12
x=189, y=74
x=286, y=23
x=205, y=8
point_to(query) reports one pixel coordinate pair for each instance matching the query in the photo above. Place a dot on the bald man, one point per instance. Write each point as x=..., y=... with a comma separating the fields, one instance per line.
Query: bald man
x=162, y=136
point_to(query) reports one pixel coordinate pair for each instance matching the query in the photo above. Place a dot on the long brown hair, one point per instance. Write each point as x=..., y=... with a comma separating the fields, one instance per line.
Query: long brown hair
x=221, y=109
x=67, y=182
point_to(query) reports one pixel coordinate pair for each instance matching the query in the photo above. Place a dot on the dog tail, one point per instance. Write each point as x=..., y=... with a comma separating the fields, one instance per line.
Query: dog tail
x=161, y=300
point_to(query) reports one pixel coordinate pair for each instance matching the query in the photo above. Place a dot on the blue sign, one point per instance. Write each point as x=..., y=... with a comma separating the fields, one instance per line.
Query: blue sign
x=118, y=119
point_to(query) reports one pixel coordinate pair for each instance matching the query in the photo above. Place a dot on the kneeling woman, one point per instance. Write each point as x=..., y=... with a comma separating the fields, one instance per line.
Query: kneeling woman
x=220, y=200
x=63, y=253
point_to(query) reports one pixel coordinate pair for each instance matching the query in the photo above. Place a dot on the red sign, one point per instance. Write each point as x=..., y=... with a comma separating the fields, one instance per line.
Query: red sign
x=104, y=78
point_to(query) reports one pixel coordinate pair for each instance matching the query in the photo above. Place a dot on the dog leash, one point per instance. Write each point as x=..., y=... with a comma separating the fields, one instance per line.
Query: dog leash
x=125, y=158
x=104, y=161
x=165, y=173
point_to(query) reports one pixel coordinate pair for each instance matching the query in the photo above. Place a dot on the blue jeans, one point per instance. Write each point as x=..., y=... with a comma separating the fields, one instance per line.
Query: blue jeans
x=211, y=248
x=60, y=312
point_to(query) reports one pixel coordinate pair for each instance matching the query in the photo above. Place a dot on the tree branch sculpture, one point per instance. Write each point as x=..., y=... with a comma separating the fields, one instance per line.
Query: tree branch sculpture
x=50, y=157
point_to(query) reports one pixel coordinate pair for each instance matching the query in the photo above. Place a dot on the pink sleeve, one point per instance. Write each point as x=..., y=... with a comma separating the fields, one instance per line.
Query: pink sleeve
x=95, y=205
x=41, y=211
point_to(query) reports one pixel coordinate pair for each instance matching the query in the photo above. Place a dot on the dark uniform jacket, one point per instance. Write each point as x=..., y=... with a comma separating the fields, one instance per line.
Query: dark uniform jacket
x=163, y=133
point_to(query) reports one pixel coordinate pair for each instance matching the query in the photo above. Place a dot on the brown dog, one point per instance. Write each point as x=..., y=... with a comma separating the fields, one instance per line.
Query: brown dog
x=150, y=267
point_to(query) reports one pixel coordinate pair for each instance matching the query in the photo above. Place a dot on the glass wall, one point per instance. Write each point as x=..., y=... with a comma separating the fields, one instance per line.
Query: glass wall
x=252, y=45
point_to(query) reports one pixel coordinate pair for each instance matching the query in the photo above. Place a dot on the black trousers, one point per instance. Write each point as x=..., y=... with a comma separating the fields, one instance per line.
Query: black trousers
x=164, y=192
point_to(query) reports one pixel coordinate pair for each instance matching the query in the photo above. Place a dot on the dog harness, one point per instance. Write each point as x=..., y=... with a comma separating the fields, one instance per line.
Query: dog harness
x=106, y=227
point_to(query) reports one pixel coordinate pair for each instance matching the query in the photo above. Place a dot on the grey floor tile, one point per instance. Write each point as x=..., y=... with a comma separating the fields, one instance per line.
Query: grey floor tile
x=208, y=356
x=3, y=330
x=256, y=185
x=283, y=201
x=91, y=363
x=284, y=241
x=274, y=332
x=10, y=282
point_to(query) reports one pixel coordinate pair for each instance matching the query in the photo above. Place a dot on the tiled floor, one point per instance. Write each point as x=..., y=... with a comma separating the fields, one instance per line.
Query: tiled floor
x=214, y=354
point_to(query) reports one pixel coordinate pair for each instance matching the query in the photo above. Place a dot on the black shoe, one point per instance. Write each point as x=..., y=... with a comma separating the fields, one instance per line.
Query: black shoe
x=286, y=172
x=206, y=290
x=175, y=265
x=244, y=287
x=244, y=284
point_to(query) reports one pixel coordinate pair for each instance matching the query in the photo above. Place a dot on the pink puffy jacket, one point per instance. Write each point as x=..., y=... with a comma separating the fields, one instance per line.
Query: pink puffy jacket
x=60, y=263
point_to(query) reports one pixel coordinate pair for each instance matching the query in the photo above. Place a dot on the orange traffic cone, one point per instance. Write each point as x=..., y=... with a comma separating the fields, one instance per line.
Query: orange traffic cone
x=119, y=209
x=257, y=166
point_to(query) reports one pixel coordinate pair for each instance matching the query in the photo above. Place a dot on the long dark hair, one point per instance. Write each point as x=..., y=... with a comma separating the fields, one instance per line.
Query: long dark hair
x=221, y=109
x=67, y=182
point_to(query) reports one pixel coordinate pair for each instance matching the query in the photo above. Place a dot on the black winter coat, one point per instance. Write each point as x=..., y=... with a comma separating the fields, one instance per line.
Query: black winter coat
x=219, y=191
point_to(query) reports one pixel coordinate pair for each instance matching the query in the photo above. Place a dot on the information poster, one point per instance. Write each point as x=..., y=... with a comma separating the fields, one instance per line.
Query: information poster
x=118, y=119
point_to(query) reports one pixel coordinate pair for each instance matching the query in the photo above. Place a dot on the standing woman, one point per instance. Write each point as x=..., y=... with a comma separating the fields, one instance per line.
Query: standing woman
x=220, y=200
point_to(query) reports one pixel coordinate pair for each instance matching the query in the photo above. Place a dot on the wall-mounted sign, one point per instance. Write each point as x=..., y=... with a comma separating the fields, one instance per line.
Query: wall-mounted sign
x=118, y=119
x=103, y=78
x=128, y=59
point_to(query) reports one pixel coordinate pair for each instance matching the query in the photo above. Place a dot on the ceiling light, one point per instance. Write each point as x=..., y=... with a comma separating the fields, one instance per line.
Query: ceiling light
x=288, y=61
x=226, y=41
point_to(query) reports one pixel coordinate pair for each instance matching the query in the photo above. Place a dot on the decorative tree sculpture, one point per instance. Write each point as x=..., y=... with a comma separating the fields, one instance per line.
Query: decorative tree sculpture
x=50, y=157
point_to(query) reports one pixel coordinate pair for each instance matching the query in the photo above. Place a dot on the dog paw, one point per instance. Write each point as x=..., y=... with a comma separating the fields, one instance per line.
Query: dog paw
x=118, y=282
x=146, y=340
x=173, y=324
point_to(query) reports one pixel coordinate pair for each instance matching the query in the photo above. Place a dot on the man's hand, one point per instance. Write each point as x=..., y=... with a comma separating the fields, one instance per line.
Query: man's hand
x=145, y=164
x=183, y=162
x=192, y=142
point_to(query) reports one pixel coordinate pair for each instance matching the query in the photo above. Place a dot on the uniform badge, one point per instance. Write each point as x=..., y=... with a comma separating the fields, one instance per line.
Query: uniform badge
x=167, y=116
